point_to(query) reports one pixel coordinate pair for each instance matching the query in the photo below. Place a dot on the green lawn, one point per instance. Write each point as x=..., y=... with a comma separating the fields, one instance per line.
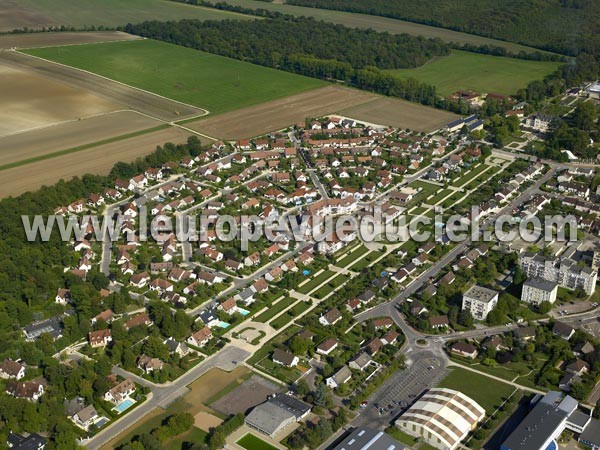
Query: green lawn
x=275, y=309
x=480, y=73
x=290, y=315
x=202, y=79
x=486, y=391
x=118, y=12
x=353, y=256
x=251, y=442
x=469, y=176
x=314, y=282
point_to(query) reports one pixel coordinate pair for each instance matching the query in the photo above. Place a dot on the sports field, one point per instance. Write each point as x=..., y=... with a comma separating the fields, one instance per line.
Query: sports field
x=44, y=13
x=212, y=82
x=251, y=442
x=480, y=73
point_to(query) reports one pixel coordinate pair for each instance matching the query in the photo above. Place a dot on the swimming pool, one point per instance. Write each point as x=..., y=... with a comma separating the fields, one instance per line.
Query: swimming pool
x=243, y=312
x=222, y=324
x=124, y=405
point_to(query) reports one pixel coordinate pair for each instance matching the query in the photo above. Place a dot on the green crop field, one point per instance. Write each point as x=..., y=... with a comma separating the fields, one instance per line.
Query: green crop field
x=480, y=73
x=202, y=79
x=108, y=13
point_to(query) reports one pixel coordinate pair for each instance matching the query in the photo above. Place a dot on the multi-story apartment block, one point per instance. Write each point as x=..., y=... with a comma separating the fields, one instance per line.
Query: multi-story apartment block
x=566, y=272
x=479, y=301
x=537, y=290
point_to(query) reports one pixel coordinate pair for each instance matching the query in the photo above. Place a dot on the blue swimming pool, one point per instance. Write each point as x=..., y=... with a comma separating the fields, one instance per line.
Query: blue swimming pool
x=222, y=324
x=243, y=312
x=306, y=272
x=124, y=405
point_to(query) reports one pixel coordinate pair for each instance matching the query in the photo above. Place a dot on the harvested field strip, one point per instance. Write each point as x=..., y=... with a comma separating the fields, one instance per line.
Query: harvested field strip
x=275, y=309
x=50, y=139
x=121, y=94
x=400, y=114
x=95, y=160
x=31, y=40
x=190, y=76
x=281, y=113
x=111, y=13
x=83, y=147
x=314, y=282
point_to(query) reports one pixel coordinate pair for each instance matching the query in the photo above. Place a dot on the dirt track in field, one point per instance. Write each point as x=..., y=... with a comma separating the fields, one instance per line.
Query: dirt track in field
x=96, y=160
x=400, y=114
x=34, y=40
x=281, y=113
x=130, y=98
x=22, y=146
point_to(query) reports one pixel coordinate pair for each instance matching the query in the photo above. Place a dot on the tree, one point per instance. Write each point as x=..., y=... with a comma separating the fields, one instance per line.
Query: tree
x=465, y=318
x=585, y=116
x=545, y=307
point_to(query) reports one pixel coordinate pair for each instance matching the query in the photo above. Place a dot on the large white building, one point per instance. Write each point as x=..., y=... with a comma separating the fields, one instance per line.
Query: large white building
x=537, y=290
x=442, y=418
x=479, y=301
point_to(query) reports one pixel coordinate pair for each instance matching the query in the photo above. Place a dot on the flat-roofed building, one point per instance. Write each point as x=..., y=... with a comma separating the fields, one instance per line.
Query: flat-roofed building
x=442, y=418
x=368, y=439
x=479, y=301
x=544, y=423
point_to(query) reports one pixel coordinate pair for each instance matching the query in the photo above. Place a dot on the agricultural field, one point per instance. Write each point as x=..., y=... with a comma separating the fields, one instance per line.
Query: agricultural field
x=95, y=160
x=383, y=24
x=480, y=73
x=20, y=148
x=46, y=13
x=399, y=113
x=30, y=101
x=281, y=113
x=31, y=40
x=212, y=82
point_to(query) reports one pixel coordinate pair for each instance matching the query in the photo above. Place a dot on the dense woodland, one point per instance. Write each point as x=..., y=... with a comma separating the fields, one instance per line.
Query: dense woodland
x=563, y=26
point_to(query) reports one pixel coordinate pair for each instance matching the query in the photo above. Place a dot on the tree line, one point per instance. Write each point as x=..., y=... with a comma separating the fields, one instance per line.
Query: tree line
x=562, y=26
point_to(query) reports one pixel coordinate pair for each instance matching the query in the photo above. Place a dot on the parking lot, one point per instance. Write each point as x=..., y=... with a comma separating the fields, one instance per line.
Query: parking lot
x=399, y=391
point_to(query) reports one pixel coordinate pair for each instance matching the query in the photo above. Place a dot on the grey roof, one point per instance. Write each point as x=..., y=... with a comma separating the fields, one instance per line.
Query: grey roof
x=74, y=405
x=291, y=404
x=362, y=359
x=540, y=283
x=31, y=442
x=342, y=375
x=246, y=294
x=579, y=418
x=268, y=417
x=541, y=423
x=591, y=434
x=480, y=293
x=53, y=326
x=368, y=439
